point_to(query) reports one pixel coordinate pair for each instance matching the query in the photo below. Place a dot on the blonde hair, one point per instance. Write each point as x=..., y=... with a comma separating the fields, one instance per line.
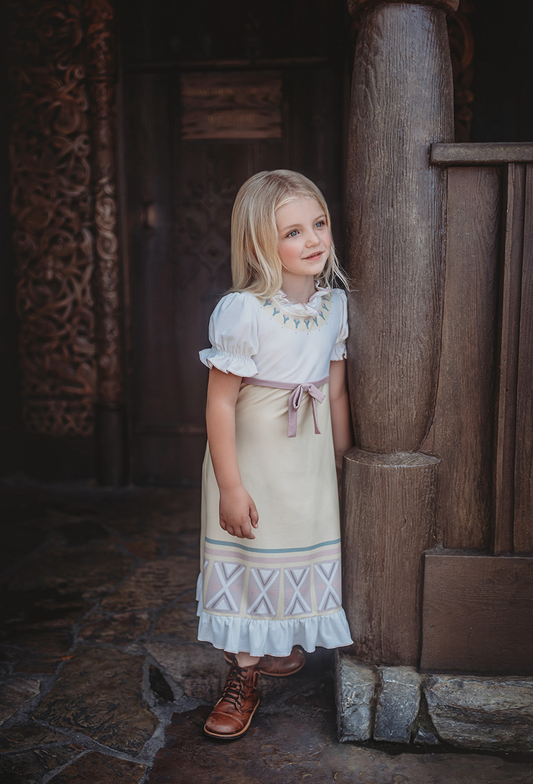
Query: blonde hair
x=255, y=262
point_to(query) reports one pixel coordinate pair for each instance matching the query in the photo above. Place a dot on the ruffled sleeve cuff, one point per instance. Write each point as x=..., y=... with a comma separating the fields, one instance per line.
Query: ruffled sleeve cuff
x=237, y=364
x=233, y=334
x=339, y=351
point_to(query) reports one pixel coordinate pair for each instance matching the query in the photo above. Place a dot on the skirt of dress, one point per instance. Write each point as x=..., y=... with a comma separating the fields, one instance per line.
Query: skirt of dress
x=282, y=588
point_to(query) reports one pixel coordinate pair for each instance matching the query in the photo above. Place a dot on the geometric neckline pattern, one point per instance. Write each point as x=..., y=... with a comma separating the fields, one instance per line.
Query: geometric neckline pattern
x=277, y=313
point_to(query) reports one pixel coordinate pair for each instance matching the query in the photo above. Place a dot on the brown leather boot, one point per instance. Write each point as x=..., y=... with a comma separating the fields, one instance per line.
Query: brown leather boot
x=277, y=666
x=233, y=713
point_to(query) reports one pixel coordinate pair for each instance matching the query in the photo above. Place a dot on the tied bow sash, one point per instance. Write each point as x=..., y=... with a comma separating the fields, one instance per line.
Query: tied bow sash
x=295, y=399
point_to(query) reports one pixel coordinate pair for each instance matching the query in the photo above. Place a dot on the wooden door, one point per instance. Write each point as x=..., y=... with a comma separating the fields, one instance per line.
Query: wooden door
x=211, y=94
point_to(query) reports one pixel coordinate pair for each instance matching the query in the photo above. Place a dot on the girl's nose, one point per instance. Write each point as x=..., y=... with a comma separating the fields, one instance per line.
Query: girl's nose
x=312, y=239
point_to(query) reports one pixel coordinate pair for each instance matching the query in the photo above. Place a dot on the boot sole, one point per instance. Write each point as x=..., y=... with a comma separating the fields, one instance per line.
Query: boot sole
x=274, y=674
x=235, y=734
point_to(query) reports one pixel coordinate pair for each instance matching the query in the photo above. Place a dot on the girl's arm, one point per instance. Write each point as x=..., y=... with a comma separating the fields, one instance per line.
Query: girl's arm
x=340, y=410
x=237, y=510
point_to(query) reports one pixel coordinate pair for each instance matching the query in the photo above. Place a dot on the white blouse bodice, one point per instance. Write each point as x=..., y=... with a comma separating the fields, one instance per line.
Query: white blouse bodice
x=273, y=339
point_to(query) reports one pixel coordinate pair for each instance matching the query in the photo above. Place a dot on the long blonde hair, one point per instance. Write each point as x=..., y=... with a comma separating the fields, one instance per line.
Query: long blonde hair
x=255, y=262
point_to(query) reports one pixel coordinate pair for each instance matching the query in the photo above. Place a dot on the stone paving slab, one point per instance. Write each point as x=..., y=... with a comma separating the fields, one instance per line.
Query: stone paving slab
x=29, y=767
x=179, y=620
x=15, y=693
x=28, y=737
x=99, y=693
x=479, y=713
x=114, y=573
x=43, y=649
x=117, y=629
x=95, y=569
x=198, y=669
x=289, y=747
x=96, y=768
x=39, y=609
x=201, y=671
x=153, y=584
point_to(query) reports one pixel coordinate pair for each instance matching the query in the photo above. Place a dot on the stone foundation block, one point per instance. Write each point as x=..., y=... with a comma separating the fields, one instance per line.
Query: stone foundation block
x=482, y=713
x=398, y=704
x=355, y=691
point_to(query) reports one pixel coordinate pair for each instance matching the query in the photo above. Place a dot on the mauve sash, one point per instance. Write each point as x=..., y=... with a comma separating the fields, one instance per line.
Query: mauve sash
x=295, y=399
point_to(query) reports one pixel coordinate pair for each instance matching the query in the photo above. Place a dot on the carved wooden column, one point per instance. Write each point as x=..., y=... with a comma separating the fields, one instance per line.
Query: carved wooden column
x=402, y=101
x=110, y=426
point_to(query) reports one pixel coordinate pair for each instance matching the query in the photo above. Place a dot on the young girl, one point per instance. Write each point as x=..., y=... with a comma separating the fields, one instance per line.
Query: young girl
x=277, y=423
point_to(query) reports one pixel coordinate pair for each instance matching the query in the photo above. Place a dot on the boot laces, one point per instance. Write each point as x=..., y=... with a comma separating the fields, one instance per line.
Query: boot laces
x=234, y=690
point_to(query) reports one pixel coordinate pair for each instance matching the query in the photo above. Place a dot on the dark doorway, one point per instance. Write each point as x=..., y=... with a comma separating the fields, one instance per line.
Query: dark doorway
x=211, y=94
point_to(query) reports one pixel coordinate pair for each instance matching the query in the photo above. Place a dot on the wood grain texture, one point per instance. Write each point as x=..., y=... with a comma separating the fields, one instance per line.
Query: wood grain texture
x=462, y=429
x=505, y=435
x=401, y=102
x=523, y=485
x=473, y=153
x=231, y=105
x=478, y=614
x=388, y=523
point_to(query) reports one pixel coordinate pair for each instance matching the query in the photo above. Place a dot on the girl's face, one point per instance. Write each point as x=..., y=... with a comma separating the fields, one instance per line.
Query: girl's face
x=304, y=238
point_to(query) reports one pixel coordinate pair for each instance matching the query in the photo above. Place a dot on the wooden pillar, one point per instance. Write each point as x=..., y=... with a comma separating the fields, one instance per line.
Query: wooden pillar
x=110, y=425
x=402, y=101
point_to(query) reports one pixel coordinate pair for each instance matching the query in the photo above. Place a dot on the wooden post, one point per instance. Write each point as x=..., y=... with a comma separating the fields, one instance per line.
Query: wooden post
x=402, y=101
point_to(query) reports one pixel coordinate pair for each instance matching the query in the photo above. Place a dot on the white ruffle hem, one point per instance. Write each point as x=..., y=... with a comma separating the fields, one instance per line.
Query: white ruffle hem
x=260, y=637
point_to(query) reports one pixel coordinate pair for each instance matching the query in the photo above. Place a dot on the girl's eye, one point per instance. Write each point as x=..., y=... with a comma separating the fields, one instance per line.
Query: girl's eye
x=292, y=233
x=320, y=224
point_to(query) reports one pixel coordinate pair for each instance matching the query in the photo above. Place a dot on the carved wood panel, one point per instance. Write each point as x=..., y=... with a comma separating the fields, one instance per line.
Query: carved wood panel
x=51, y=209
x=101, y=73
x=64, y=211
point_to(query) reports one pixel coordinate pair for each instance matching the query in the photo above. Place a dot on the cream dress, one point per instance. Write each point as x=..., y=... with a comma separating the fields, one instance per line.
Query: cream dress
x=282, y=588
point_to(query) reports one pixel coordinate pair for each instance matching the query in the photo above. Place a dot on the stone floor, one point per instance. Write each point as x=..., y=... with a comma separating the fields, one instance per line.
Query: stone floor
x=102, y=681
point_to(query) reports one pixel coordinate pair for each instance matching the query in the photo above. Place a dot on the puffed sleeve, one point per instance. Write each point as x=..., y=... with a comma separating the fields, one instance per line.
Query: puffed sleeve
x=339, y=349
x=233, y=334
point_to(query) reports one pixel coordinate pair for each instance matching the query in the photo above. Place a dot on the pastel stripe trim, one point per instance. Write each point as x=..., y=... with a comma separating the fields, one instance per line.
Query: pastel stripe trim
x=281, y=550
x=330, y=553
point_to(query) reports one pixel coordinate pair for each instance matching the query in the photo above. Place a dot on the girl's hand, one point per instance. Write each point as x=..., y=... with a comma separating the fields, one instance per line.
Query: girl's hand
x=238, y=513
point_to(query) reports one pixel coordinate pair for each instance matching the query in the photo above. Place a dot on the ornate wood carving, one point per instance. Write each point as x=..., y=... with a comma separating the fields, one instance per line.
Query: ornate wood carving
x=65, y=211
x=101, y=78
x=202, y=222
x=51, y=215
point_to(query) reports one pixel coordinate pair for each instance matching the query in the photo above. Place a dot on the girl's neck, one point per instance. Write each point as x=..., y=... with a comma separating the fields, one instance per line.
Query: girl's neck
x=298, y=290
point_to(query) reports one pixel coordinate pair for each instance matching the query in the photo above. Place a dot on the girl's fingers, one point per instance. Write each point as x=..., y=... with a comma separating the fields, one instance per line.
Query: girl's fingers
x=240, y=530
x=249, y=534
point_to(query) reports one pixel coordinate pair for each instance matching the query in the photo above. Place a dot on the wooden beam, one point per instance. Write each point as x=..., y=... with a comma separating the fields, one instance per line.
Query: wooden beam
x=523, y=480
x=481, y=154
x=478, y=614
x=462, y=431
x=505, y=427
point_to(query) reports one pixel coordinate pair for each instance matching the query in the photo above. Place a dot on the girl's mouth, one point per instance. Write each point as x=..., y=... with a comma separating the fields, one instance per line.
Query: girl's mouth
x=314, y=255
